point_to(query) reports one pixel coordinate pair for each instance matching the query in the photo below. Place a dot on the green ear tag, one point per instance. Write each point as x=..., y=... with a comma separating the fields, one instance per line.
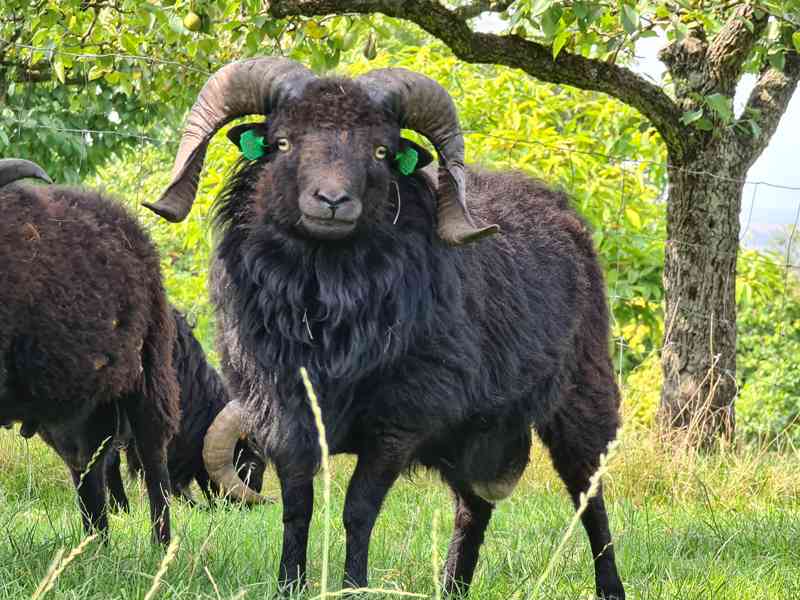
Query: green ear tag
x=252, y=145
x=407, y=161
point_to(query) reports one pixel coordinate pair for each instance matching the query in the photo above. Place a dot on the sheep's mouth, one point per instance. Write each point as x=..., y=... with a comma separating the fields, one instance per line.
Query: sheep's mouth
x=326, y=229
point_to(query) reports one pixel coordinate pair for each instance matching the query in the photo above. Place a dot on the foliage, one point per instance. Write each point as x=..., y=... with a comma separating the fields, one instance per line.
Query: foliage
x=641, y=393
x=768, y=347
x=77, y=65
x=609, y=31
x=768, y=344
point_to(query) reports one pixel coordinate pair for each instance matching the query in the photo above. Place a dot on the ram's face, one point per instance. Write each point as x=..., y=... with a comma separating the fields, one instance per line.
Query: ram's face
x=342, y=176
x=329, y=168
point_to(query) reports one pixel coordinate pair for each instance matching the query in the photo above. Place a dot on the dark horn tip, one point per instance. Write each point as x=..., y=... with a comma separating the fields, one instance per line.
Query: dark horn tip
x=467, y=236
x=166, y=211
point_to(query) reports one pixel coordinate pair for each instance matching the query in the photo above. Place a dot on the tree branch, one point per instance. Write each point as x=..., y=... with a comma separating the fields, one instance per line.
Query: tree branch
x=34, y=74
x=478, y=7
x=766, y=105
x=513, y=51
x=730, y=47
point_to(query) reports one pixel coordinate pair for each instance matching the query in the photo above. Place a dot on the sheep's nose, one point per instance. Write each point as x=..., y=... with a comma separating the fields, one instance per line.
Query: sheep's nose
x=332, y=198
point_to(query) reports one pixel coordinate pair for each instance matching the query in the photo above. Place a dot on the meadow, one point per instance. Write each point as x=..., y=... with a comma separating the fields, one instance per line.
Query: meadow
x=686, y=525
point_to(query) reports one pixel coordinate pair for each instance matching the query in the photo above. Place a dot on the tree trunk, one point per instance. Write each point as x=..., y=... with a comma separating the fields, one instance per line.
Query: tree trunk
x=699, y=354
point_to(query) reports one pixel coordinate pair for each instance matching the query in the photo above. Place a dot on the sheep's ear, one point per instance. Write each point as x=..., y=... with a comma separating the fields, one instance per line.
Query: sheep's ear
x=235, y=133
x=424, y=158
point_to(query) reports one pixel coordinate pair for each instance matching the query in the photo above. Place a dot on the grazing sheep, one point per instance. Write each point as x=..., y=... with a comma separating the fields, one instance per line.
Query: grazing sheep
x=85, y=336
x=421, y=353
x=208, y=419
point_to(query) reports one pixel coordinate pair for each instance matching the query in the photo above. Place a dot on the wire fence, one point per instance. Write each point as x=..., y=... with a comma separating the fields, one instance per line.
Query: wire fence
x=613, y=229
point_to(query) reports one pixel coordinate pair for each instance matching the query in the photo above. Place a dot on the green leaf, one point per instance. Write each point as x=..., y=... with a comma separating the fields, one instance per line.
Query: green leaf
x=704, y=124
x=550, y=21
x=129, y=43
x=96, y=72
x=777, y=60
x=633, y=217
x=754, y=127
x=796, y=40
x=630, y=18
x=721, y=105
x=690, y=116
x=58, y=67
x=559, y=41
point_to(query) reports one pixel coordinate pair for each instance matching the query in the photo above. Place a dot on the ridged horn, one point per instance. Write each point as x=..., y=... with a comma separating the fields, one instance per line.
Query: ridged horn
x=219, y=446
x=12, y=169
x=253, y=86
x=421, y=104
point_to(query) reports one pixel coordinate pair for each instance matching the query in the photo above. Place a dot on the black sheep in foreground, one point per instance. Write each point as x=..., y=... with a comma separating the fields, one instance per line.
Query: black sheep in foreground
x=85, y=336
x=421, y=353
x=208, y=419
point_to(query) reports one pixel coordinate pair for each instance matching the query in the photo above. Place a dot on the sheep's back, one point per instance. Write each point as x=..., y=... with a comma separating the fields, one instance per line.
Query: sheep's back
x=536, y=292
x=78, y=280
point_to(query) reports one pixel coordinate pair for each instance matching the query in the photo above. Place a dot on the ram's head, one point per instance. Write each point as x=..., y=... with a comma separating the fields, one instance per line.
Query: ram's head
x=333, y=144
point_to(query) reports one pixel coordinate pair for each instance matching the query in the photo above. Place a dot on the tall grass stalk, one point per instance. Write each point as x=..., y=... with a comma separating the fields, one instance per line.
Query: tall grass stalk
x=93, y=459
x=326, y=477
x=367, y=590
x=57, y=567
x=172, y=550
x=437, y=587
x=583, y=504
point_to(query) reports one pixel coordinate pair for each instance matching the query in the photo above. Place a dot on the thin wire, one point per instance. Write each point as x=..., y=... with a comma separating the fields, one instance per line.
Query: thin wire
x=124, y=134
x=620, y=212
x=139, y=57
x=750, y=213
x=620, y=159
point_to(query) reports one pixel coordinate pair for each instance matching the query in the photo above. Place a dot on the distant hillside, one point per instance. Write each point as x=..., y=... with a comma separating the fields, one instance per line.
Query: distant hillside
x=763, y=236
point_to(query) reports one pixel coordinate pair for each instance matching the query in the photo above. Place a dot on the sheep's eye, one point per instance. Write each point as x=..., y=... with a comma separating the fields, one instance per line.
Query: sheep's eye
x=381, y=152
x=284, y=145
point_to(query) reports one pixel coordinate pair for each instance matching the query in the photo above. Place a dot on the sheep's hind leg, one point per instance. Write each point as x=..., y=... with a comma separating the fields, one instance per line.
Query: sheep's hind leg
x=472, y=518
x=575, y=446
x=119, y=500
x=90, y=485
x=368, y=487
x=151, y=441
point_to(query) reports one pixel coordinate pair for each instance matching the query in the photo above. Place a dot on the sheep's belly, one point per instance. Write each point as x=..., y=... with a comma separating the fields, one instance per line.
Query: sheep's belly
x=494, y=491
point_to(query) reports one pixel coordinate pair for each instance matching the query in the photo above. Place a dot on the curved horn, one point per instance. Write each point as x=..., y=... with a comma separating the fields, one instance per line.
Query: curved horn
x=12, y=169
x=423, y=105
x=253, y=86
x=218, y=448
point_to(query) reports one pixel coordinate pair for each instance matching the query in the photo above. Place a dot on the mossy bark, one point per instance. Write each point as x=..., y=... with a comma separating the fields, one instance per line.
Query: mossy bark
x=699, y=352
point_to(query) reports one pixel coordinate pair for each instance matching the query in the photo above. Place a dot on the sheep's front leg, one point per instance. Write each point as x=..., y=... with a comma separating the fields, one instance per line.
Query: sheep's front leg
x=371, y=481
x=298, y=506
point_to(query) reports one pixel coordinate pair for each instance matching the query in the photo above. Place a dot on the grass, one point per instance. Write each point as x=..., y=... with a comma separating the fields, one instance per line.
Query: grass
x=687, y=526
